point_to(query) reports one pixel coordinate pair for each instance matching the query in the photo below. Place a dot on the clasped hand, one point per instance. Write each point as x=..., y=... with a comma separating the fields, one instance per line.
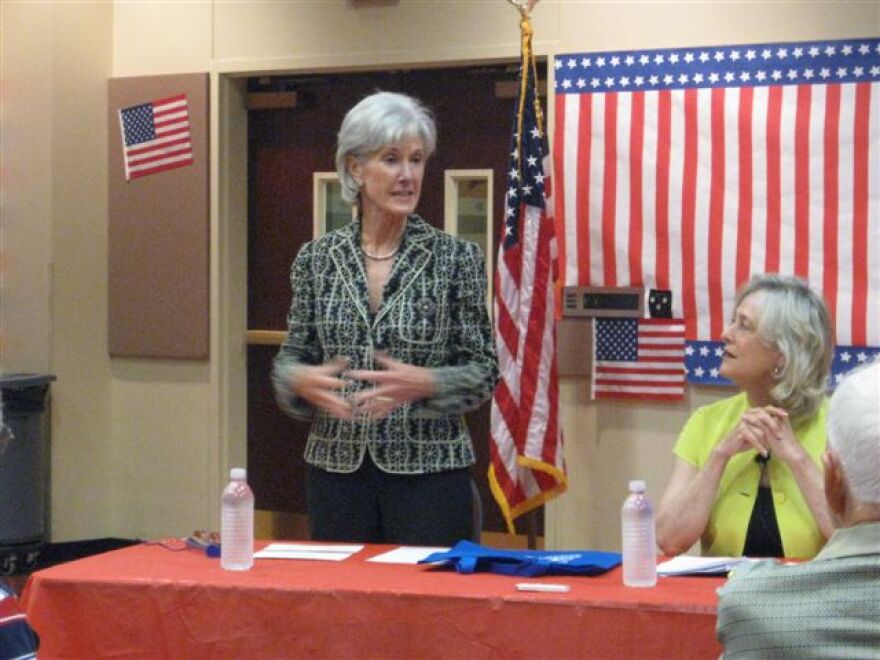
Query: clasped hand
x=766, y=430
x=395, y=384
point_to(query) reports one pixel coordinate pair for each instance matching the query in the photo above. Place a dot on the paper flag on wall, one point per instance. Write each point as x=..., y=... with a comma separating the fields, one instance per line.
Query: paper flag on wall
x=156, y=136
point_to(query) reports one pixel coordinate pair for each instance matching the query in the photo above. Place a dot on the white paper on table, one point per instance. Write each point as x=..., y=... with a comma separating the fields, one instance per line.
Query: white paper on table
x=689, y=565
x=405, y=554
x=307, y=551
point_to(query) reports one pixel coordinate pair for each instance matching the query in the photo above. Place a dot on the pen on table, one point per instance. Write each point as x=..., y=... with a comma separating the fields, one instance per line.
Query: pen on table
x=545, y=587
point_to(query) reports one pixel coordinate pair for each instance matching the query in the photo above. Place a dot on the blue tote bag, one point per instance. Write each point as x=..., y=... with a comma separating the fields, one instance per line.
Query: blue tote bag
x=469, y=557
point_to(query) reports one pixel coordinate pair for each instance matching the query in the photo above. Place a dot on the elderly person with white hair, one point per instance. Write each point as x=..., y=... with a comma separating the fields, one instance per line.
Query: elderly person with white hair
x=747, y=478
x=389, y=343
x=830, y=606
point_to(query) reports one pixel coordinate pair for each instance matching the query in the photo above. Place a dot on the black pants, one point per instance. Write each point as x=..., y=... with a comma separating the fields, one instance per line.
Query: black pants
x=372, y=506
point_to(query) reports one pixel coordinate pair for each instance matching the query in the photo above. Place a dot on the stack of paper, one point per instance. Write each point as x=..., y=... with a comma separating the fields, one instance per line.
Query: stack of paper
x=405, y=554
x=307, y=551
x=687, y=565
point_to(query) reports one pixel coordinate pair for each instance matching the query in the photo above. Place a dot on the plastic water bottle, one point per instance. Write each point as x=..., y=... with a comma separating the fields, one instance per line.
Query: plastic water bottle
x=237, y=523
x=639, y=538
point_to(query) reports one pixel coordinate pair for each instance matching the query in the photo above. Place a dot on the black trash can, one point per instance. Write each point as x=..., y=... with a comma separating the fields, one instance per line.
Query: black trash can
x=24, y=471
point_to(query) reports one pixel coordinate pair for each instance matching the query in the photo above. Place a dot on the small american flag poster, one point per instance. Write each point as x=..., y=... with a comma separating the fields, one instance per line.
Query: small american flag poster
x=156, y=136
x=638, y=359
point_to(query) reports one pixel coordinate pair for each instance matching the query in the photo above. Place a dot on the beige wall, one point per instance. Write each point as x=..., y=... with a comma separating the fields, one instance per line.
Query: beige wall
x=26, y=64
x=53, y=230
x=153, y=438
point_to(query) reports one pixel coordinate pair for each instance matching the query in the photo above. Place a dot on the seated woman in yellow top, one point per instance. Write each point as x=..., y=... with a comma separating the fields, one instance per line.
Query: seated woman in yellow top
x=747, y=478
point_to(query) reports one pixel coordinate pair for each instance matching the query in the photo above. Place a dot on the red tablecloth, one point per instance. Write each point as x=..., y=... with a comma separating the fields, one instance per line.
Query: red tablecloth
x=145, y=602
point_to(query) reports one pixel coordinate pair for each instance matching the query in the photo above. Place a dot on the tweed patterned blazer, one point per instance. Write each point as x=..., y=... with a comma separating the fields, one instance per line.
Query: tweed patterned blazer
x=433, y=314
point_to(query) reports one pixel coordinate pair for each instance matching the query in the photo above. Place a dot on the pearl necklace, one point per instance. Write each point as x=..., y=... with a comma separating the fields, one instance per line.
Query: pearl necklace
x=380, y=257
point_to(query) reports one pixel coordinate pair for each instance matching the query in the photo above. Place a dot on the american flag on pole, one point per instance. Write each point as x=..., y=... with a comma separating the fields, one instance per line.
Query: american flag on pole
x=690, y=169
x=638, y=359
x=527, y=465
x=156, y=136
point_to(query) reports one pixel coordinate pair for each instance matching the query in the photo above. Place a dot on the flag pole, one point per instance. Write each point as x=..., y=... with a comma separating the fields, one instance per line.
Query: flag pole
x=525, y=479
x=527, y=61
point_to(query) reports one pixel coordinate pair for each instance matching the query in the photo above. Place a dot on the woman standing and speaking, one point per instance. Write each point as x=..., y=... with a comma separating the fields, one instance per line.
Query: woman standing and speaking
x=389, y=343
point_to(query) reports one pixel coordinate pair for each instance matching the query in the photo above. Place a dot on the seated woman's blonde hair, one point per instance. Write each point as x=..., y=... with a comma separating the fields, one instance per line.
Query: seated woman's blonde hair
x=794, y=321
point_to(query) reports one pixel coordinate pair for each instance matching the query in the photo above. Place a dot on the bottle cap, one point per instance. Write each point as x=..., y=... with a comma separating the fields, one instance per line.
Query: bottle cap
x=637, y=486
x=238, y=474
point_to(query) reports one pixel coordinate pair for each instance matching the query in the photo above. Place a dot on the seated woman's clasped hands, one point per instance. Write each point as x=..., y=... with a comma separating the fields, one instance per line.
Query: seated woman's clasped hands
x=766, y=430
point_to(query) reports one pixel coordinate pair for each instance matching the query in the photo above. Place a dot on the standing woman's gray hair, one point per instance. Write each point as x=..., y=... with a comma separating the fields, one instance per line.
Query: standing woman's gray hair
x=378, y=120
x=794, y=321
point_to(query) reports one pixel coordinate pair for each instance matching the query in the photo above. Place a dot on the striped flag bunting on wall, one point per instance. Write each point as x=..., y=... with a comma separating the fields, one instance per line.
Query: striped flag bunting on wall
x=690, y=169
x=156, y=136
x=638, y=358
x=703, y=362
